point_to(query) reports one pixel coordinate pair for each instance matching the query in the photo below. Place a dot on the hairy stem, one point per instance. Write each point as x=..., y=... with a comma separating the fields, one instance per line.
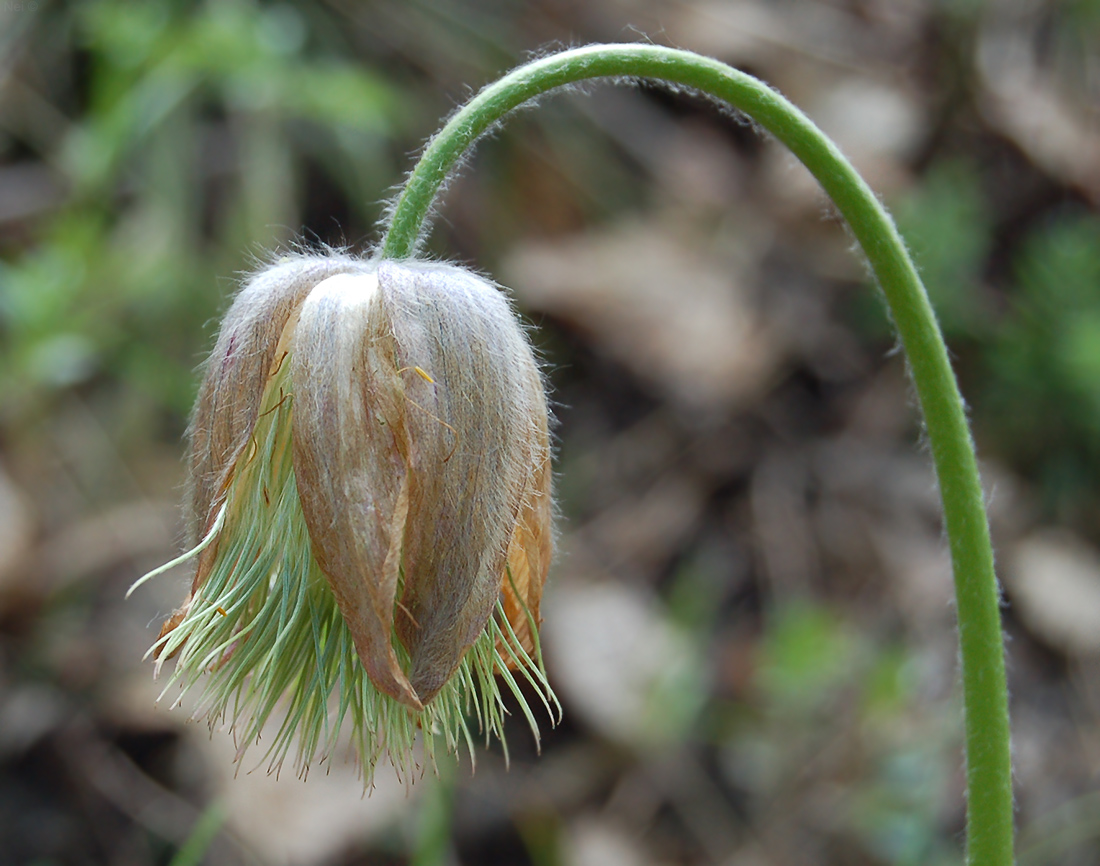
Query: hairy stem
x=989, y=772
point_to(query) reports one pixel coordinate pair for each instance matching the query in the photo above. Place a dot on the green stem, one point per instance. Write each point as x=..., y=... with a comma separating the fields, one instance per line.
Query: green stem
x=989, y=771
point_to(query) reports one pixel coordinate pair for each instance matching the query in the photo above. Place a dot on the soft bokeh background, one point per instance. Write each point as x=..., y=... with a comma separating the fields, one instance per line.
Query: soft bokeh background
x=750, y=623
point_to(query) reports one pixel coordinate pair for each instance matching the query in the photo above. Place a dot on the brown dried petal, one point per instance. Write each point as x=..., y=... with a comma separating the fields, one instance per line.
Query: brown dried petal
x=348, y=420
x=532, y=545
x=472, y=422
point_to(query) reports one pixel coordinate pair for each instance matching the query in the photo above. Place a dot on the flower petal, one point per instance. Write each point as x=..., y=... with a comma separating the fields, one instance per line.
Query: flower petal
x=467, y=371
x=349, y=418
x=237, y=372
x=532, y=545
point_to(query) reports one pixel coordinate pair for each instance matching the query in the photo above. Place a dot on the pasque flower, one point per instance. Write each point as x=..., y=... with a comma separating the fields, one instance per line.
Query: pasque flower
x=370, y=511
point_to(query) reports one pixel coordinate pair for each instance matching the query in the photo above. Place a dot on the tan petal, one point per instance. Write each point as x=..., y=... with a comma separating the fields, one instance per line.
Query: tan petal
x=348, y=416
x=471, y=419
x=531, y=548
x=246, y=354
x=169, y=625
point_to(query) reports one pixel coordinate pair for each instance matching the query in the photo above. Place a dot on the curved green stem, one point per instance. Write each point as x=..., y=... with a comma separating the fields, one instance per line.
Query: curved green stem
x=989, y=772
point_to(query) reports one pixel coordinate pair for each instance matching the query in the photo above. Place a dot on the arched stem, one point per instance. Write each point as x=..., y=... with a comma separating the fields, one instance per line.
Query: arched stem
x=989, y=772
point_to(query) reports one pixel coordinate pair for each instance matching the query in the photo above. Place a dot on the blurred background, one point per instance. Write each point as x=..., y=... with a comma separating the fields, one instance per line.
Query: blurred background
x=750, y=623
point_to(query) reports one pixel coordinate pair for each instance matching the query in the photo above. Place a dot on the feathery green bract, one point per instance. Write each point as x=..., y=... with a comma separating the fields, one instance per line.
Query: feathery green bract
x=263, y=638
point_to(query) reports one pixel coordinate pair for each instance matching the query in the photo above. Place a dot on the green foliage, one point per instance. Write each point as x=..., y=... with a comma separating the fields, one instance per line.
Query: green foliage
x=1031, y=356
x=947, y=226
x=1041, y=392
x=206, y=829
x=805, y=654
x=896, y=813
x=813, y=667
x=157, y=213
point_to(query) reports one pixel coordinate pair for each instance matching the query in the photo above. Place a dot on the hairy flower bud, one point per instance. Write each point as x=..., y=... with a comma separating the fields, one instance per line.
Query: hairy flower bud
x=370, y=509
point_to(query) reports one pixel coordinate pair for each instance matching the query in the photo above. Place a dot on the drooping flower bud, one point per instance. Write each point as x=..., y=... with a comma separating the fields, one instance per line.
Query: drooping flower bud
x=370, y=510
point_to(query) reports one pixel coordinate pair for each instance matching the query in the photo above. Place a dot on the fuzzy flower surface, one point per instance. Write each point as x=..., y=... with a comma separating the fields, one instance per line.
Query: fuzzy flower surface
x=370, y=514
